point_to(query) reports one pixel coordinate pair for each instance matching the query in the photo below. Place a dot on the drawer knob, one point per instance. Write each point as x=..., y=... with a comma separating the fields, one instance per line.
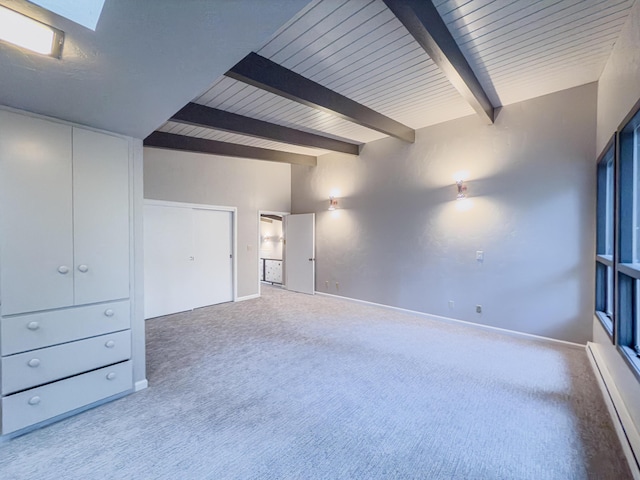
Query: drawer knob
x=33, y=325
x=109, y=312
x=83, y=268
x=110, y=344
x=111, y=376
x=34, y=400
x=63, y=269
x=34, y=362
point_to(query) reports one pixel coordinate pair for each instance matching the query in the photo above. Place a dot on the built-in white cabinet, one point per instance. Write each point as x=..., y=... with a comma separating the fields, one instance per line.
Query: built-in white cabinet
x=64, y=195
x=64, y=268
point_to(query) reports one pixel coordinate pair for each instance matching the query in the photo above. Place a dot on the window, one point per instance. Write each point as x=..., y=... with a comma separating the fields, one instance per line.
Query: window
x=628, y=256
x=605, y=238
x=618, y=239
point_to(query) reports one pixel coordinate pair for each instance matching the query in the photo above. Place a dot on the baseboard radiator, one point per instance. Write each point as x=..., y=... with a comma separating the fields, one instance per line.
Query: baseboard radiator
x=625, y=428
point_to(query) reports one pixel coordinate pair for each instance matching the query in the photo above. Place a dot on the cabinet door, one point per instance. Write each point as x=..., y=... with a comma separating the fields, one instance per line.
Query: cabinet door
x=100, y=216
x=35, y=214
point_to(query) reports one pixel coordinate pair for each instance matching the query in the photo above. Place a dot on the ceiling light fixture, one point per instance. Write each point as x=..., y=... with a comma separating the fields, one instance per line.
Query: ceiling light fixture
x=28, y=33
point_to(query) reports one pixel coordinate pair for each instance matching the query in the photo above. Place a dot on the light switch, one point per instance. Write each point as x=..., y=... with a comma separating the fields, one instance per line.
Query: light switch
x=479, y=256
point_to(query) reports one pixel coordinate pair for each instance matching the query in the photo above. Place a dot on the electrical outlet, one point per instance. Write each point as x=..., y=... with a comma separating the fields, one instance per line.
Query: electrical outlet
x=326, y=284
x=451, y=304
x=478, y=308
x=337, y=286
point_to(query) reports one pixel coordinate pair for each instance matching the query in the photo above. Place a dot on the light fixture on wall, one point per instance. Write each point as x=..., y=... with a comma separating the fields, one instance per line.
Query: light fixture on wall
x=333, y=203
x=460, y=179
x=462, y=190
x=31, y=34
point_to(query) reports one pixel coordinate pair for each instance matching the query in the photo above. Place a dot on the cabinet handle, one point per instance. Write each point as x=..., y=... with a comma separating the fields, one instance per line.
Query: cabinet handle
x=63, y=269
x=110, y=344
x=34, y=400
x=109, y=312
x=33, y=325
x=111, y=376
x=83, y=268
x=34, y=362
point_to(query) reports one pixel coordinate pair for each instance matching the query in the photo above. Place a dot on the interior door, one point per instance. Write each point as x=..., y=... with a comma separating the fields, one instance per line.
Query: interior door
x=212, y=257
x=300, y=250
x=167, y=264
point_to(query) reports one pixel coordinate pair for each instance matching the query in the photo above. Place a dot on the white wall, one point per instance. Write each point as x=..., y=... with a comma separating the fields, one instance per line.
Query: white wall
x=619, y=84
x=618, y=91
x=249, y=185
x=399, y=239
x=271, y=248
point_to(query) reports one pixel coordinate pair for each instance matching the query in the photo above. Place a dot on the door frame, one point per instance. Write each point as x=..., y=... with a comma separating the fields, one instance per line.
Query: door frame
x=234, y=231
x=269, y=212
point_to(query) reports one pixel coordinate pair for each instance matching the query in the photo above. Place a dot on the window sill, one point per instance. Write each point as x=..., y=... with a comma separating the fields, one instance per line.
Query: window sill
x=606, y=322
x=632, y=360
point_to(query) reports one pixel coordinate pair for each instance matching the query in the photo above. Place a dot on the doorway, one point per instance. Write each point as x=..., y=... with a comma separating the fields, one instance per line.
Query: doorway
x=271, y=249
x=287, y=251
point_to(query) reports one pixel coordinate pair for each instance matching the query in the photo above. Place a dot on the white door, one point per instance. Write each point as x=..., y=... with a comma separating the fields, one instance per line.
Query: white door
x=36, y=220
x=167, y=264
x=300, y=250
x=100, y=216
x=212, y=252
x=187, y=260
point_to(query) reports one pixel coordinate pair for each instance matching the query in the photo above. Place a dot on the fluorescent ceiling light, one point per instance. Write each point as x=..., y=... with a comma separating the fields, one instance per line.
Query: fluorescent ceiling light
x=83, y=12
x=28, y=33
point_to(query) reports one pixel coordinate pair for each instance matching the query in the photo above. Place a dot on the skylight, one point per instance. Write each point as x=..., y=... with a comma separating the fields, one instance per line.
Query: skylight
x=85, y=12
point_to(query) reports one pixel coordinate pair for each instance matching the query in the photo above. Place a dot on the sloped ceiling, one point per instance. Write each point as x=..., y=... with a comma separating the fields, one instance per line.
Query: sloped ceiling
x=517, y=49
x=145, y=60
x=148, y=59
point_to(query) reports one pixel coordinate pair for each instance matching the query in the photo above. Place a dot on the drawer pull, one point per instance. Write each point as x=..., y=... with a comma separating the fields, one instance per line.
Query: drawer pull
x=34, y=362
x=110, y=344
x=111, y=376
x=33, y=325
x=34, y=400
x=109, y=312
x=63, y=269
x=83, y=268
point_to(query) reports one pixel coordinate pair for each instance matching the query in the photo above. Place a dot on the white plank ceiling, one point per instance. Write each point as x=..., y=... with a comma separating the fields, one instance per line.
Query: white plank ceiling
x=518, y=49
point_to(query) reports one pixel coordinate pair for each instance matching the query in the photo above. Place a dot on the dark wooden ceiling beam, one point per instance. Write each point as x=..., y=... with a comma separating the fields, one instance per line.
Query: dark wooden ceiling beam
x=203, y=116
x=423, y=21
x=171, y=141
x=263, y=73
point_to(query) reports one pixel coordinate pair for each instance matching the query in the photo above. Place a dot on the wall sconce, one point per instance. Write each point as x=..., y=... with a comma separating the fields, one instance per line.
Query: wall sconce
x=462, y=190
x=333, y=203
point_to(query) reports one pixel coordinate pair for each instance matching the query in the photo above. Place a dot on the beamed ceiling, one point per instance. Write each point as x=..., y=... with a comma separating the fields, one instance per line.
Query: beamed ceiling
x=345, y=72
x=290, y=80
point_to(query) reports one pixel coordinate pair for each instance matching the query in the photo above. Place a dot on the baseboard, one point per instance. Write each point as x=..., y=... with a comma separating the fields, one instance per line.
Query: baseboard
x=625, y=428
x=140, y=385
x=247, y=297
x=438, y=318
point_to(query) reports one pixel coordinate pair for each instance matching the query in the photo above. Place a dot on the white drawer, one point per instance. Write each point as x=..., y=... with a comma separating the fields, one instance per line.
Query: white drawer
x=37, y=330
x=37, y=367
x=38, y=404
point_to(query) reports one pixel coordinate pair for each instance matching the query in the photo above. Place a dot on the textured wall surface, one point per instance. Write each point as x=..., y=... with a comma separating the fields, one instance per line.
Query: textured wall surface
x=619, y=84
x=618, y=91
x=249, y=185
x=400, y=238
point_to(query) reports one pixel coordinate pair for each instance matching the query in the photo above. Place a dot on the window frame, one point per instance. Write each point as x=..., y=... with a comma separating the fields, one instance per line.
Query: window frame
x=606, y=218
x=626, y=331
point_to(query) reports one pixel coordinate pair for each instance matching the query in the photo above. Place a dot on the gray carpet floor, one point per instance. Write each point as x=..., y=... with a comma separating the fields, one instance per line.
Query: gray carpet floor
x=290, y=386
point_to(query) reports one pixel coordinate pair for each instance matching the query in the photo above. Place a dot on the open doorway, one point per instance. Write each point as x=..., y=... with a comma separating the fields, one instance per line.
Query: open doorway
x=271, y=251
